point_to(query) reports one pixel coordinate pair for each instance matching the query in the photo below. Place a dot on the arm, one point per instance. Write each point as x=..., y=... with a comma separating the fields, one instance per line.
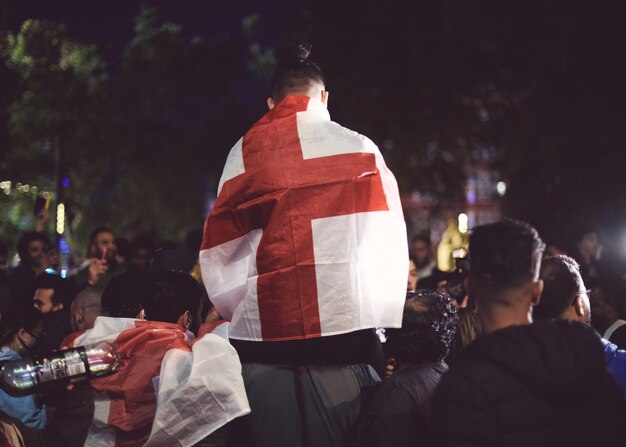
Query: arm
x=69, y=424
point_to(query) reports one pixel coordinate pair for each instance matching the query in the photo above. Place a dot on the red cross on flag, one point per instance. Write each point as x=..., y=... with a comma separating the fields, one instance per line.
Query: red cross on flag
x=307, y=236
x=169, y=391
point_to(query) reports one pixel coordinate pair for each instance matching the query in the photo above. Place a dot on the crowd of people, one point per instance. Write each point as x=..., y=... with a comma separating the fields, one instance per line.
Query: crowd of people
x=287, y=326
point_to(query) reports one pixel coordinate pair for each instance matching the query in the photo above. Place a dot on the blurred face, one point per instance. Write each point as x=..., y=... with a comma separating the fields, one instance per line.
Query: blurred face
x=37, y=254
x=602, y=314
x=104, y=240
x=141, y=258
x=421, y=251
x=25, y=341
x=42, y=301
x=589, y=245
x=411, y=283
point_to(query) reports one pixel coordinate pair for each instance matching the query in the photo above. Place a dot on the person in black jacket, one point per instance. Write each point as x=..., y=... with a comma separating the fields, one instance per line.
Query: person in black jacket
x=523, y=384
x=398, y=412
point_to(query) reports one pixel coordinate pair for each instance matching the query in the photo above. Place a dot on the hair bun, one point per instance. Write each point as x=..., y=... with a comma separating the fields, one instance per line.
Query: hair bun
x=296, y=51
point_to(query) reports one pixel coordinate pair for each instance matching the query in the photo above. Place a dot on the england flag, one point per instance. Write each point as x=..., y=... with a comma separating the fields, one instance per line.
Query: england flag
x=307, y=236
x=170, y=390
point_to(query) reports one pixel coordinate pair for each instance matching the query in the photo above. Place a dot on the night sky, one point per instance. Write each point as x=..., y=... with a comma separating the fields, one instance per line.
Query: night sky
x=404, y=74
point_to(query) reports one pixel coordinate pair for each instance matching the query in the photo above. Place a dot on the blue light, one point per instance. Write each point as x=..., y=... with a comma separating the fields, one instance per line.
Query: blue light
x=65, y=249
x=65, y=182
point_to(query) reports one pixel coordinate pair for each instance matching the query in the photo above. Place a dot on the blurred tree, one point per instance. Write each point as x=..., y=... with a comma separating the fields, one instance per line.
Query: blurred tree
x=55, y=79
x=167, y=120
x=144, y=144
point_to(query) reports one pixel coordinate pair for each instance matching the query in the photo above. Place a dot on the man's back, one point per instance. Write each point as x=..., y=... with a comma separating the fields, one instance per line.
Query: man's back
x=539, y=384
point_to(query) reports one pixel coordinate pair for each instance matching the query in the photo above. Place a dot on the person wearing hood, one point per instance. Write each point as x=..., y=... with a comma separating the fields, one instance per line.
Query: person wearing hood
x=539, y=384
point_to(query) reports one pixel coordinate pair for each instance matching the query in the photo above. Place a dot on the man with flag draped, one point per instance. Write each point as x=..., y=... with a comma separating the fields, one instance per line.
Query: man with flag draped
x=305, y=253
x=171, y=389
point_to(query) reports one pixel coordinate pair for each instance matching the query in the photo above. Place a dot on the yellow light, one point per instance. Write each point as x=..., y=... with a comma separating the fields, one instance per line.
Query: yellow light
x=60, y=218
x=463, y=223
x=26, y=188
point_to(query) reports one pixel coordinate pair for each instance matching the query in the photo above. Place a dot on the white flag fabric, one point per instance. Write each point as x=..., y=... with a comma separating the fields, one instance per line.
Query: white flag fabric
x=170, y=389
x=307, y=236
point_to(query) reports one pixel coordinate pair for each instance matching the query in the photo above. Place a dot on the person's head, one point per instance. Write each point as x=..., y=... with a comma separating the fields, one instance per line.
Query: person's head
x=605, y=309
x=554, y=249
x=421, y=248
x=174, y=297
x=32, y=248
x=564, y=295
x=53, y=293
x=86, y=307
x=142, y=251
x=4, y=255
x=102, y=239
x=123, y=296
x=429, y=323
x=20, y=331
x=504, y=262
x=124, y=250
x=586, y=242
x=296, y=74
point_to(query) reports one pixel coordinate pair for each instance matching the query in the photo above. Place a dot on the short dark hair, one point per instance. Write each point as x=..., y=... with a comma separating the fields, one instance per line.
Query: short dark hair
x=12, y=320
x=97, y=231
x=295, y=71
x=580, y=230
x=26, y=239
x=504, y=254
x=561, y=285
x=429, y=324
x=124, y=295
x=170, y=294
x=64, y=289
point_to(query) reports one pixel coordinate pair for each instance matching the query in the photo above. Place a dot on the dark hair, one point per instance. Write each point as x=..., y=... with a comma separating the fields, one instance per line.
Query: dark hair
x=469, y=329
x=294, y=72
x=504, y=254
x=421, y=237
x=64, y=290
x=12, y=320
x=170, y=294
x=25, y=240
x=579, y=231
x=97, y=231
x=561, y=284
x=123, y=296
x=610, y=293
x=124, y=248
x=429, y=324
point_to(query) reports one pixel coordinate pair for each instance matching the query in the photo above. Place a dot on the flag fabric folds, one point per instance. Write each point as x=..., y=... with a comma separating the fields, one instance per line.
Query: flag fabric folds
x=307, y=236
x=170, y=389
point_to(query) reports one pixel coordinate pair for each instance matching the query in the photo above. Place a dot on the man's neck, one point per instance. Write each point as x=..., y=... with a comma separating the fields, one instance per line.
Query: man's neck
x=494, y=317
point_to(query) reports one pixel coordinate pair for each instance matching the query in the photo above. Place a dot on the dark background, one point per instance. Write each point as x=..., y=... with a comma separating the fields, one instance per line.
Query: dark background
x=539, y=84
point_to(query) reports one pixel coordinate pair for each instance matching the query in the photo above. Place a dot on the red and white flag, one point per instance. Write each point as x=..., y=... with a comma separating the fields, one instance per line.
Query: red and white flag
x=307, y=236
x=170, y=389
